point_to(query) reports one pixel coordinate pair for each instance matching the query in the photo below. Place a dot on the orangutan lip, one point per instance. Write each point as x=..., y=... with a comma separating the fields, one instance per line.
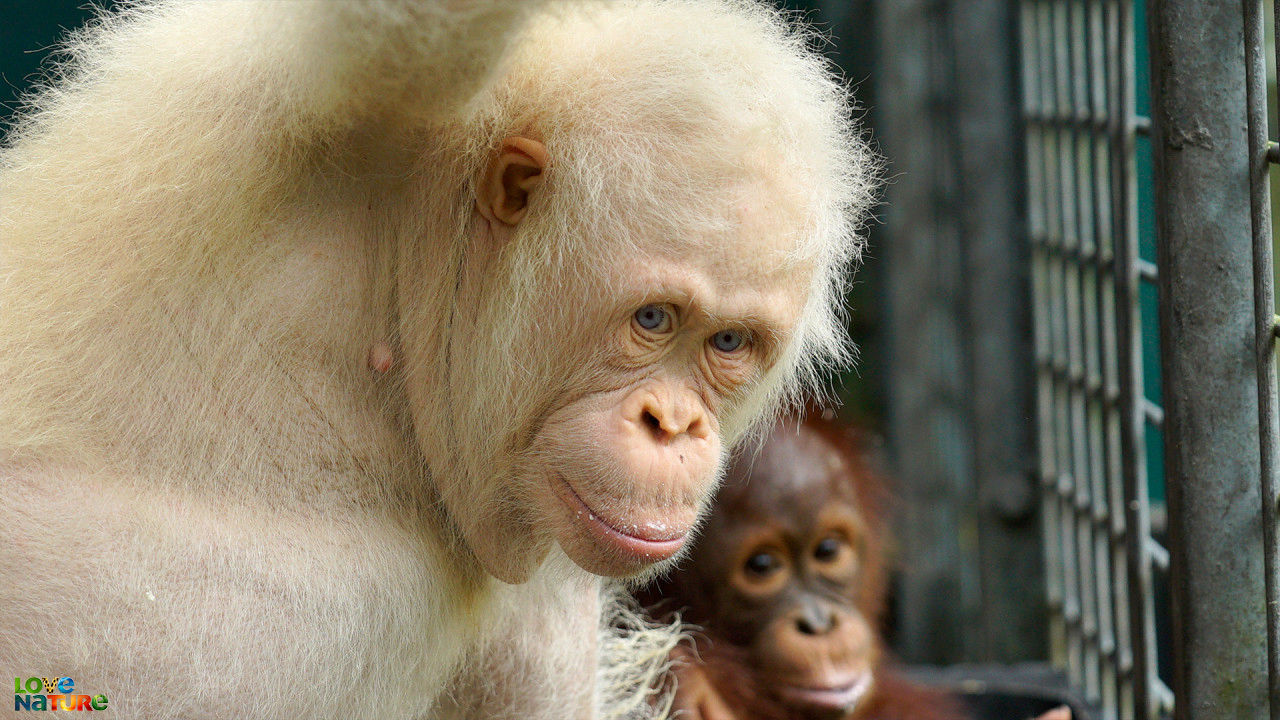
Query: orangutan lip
x=643, y=547
x=840, y=696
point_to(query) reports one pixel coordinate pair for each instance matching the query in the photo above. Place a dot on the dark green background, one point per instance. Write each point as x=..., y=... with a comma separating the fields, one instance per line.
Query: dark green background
x=29, y=30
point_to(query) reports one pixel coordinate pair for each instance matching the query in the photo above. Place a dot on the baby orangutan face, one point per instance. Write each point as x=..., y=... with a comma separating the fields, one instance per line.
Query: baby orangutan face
x=781, y=574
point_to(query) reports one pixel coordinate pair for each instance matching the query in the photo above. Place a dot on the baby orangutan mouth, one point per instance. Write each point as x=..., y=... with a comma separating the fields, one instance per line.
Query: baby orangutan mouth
x=844, y=696
x=645, y=541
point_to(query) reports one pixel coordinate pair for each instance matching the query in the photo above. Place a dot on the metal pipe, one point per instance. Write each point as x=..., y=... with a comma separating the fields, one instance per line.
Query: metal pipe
x=1264, y=335
x=1209, y=358
x=1037, y=196
x=1137, y=519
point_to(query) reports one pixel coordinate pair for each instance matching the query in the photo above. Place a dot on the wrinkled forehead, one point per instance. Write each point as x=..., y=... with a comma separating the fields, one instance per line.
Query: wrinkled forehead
x=733, y=238
x=753, y=223
x=738, y=240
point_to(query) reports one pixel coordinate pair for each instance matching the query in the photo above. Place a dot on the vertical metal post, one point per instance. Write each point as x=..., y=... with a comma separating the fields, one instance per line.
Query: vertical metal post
x=995, y=265
x=1140, y=664
x=1264, y=334
x=929, y=441
x=956, y=283
x=1209, y=360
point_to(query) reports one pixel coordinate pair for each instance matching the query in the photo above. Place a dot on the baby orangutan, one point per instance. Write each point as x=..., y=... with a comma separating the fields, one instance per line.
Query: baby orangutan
x=786, y=587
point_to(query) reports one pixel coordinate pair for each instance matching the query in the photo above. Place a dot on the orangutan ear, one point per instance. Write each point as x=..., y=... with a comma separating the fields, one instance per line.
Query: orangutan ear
x=513, y=174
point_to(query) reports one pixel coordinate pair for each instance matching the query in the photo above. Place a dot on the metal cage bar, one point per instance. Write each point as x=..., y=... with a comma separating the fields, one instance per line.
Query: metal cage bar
x=1150, y=696
x=1264, y=329
x=1206, y=268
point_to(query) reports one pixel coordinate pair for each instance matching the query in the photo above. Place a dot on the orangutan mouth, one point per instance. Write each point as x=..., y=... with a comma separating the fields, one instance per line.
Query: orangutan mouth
x=845, y=696
x=644, y=543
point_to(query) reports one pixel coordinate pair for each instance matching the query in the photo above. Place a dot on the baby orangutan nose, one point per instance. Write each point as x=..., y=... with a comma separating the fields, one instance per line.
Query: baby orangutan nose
x=815, y=620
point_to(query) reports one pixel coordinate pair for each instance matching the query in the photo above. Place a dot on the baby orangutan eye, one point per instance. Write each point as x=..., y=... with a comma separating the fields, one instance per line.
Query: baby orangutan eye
x=727, y=341
x=827, y=549
x=762, y=563
x=653, y=318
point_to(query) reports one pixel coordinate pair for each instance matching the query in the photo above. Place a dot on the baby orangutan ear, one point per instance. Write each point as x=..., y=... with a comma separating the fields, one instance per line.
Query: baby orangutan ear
x=514, y=173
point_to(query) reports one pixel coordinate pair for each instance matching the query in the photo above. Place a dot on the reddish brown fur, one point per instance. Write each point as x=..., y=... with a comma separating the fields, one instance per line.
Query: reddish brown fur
x=731, y=671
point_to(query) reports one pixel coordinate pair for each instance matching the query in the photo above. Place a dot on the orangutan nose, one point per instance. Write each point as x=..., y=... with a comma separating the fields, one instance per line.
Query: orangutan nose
x=815, y=619
x=667, y=417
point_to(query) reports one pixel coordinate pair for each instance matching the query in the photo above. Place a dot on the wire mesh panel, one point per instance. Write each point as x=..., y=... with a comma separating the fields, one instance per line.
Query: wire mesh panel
x=1093, y=414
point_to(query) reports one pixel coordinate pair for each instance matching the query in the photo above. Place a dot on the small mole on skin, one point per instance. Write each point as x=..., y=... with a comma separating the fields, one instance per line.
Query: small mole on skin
x=380, y=357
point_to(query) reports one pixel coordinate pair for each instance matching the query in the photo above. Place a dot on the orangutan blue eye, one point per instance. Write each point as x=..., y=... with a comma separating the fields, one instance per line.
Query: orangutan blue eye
x=654, y=318
x=726, y=341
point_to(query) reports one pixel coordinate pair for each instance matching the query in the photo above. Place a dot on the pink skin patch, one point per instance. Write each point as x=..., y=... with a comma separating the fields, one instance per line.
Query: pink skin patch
x=643, y=543
x=381, y=358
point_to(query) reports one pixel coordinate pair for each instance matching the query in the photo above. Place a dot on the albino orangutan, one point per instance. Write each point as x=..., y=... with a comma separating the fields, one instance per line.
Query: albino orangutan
x=344, y=346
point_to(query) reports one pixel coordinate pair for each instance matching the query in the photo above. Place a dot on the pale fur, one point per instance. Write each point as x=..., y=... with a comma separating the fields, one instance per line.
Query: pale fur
x=210, y=506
